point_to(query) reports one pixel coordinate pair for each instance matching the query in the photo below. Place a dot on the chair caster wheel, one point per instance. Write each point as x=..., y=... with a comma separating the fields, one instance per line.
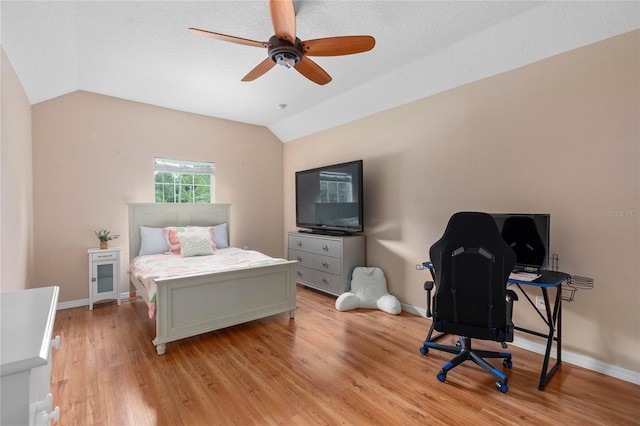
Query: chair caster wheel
x=507, y=363
x=502, y=387
x=424, y=350
x=442, y=376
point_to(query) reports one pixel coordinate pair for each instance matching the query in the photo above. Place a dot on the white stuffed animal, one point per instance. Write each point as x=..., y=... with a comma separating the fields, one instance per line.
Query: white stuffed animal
x=368, y=290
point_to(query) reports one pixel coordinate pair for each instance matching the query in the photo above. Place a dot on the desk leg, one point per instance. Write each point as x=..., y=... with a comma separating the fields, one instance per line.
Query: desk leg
x=555, y=323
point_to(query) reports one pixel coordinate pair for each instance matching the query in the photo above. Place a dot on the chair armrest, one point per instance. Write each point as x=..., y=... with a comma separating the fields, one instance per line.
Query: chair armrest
x=428, y=286
x=510, y=298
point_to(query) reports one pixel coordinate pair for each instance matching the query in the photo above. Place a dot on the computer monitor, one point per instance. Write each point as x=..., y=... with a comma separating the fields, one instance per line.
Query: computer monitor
x=528, y=236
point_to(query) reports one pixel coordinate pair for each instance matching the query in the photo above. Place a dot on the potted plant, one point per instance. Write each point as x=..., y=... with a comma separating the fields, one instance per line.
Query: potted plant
x=105, y=236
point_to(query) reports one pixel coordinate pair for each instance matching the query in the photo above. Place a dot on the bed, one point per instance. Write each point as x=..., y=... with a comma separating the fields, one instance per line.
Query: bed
x=198, y=303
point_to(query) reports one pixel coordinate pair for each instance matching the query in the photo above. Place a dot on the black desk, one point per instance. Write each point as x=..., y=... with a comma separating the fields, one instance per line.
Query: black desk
x=552, y=316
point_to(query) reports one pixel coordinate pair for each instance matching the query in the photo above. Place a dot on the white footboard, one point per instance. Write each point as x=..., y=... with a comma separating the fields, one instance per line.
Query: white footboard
x=188, y=306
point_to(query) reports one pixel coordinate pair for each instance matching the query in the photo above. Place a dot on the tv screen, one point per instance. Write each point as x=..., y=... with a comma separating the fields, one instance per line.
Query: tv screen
x=528, y=236
x=329, y=199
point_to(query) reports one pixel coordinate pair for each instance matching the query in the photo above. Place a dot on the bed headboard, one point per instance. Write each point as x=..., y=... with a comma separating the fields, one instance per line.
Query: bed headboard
x=159, y=215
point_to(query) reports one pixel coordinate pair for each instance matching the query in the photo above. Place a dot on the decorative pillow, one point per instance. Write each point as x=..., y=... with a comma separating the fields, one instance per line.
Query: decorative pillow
x=195, y=243
x=221, y=237
x=170, y=234
x=218, y=234
x=152, y=241
x=368, y=290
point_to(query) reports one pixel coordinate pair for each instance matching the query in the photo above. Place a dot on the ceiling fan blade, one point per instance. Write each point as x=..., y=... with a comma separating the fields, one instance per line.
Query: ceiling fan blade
x=259, y=70
x=337, y=46
x=232, y=39
x=283, y=17
x=312, y=71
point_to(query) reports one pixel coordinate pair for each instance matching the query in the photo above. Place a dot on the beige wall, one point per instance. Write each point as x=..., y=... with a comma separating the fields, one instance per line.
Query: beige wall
x=560, y=136
x=93, y=154
x=16, y=177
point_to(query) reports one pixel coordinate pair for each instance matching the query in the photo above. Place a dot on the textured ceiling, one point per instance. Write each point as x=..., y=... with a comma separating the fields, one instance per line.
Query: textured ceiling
x=142, y=51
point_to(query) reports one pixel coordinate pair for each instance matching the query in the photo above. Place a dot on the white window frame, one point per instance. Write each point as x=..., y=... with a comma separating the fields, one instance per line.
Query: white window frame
x=183, y=168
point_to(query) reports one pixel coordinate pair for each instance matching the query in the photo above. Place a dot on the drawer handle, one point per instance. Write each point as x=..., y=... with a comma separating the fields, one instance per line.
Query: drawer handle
x=299, y=273
x=106, y=255
x=299, y=258
x=325, y=280
x=55, y=343
x=46, y=404
x=45, y=407
x=325, y=263
x=325, y=247
x=55, y=414
x=299, y=243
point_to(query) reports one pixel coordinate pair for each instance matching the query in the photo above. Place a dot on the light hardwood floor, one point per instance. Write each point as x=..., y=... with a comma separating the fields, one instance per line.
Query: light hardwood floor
x=322, y=368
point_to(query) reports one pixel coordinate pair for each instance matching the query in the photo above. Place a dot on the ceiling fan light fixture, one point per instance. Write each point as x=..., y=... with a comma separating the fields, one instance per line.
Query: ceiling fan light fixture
x=286, y=60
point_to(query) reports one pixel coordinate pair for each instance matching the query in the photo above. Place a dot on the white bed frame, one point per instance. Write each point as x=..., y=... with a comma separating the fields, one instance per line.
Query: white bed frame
x=191, y=305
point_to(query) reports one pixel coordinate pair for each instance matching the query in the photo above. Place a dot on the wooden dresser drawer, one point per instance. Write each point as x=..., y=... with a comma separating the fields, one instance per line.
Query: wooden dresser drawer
x=316, y=245
x=318, y=262
x=320, y=280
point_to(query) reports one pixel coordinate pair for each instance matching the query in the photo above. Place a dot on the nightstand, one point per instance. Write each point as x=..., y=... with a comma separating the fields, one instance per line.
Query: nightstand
x=104, y=275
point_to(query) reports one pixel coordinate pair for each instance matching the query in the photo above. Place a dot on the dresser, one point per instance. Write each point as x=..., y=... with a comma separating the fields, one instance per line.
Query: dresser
x=326, y=262
x=27, y=318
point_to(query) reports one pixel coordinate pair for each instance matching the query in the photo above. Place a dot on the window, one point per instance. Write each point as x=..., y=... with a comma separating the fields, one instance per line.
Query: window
x=179, y=181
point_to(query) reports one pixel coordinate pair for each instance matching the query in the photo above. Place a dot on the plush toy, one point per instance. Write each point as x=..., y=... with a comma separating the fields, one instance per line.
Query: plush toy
x=368, y=290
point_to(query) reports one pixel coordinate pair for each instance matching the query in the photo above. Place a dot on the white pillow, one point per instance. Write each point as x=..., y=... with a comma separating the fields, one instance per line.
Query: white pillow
x=152, y=241
x=221, y=236
x=196, y=243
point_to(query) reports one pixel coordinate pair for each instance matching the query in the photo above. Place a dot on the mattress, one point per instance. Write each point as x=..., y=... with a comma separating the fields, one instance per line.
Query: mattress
x=149, y=268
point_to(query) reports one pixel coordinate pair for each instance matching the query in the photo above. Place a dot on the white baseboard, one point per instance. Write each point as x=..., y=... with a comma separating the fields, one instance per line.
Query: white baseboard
x=581, y=361
x=84, y=302
x=72, y=304
x=414, y=310
x=567, y=356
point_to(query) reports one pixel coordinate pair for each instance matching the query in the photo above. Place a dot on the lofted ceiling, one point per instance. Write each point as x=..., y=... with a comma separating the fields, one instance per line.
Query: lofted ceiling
x=142, y=51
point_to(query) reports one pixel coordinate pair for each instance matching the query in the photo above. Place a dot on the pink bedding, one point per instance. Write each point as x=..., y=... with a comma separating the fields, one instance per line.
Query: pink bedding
x=148, y=268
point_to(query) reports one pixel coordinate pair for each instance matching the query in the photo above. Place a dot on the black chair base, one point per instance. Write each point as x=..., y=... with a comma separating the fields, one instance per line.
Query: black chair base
x=464, y=352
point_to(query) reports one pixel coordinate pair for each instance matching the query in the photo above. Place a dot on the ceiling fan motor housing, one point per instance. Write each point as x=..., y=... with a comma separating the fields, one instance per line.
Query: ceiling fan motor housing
x=282, y=52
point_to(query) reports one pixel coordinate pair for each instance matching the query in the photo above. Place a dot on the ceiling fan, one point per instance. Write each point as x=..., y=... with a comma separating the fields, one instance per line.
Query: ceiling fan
x=285, y=49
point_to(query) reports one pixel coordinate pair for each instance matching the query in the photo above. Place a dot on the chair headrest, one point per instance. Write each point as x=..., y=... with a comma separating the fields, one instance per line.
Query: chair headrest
x=473, y=228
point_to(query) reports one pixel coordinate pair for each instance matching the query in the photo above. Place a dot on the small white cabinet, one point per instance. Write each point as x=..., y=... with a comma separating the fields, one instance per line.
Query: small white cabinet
x=27, y=318
x=326, y=262
x=104, y=275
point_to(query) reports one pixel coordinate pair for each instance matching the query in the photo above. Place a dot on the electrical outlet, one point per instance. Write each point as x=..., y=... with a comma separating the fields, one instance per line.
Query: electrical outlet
x=540, y=302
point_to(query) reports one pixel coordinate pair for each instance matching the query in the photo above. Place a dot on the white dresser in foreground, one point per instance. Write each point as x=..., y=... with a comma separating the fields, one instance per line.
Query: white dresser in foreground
x=26, y=325
x=326, y=262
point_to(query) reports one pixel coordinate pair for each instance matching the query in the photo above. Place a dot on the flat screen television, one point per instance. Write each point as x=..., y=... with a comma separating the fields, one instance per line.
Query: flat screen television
x=528, y=236
x=329, y=199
